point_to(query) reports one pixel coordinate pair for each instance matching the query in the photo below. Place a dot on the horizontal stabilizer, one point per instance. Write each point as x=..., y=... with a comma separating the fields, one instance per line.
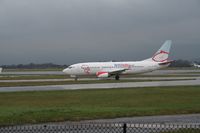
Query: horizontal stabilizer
x=166, y=63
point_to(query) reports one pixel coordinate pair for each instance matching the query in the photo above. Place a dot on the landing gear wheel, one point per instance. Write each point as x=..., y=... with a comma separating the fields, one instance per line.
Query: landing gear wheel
x=76, y=79
x=117, y=77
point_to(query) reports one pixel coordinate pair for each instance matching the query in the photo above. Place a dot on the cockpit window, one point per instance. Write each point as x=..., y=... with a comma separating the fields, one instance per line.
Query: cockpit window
x=70, y=67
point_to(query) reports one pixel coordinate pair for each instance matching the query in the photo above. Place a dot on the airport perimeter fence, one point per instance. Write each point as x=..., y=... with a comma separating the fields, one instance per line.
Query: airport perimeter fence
x=104, y=128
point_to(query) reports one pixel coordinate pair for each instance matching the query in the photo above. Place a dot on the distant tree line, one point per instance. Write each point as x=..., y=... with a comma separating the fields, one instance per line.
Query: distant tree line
x=181, y=63
x=34, y=66
x=176, y=63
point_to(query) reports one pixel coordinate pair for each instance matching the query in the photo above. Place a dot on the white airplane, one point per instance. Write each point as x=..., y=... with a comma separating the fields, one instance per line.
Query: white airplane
x=107, y=69
x=196, y=65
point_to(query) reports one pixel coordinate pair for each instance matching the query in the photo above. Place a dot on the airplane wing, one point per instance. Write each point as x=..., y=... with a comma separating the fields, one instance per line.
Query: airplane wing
x=110, y=72
x=116, y=71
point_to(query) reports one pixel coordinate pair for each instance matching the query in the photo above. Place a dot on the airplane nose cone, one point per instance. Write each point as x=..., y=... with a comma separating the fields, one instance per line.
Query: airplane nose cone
x=66, y=71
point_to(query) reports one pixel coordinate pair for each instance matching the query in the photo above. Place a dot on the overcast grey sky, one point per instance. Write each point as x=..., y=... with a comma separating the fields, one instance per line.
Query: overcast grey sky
x=71, y=31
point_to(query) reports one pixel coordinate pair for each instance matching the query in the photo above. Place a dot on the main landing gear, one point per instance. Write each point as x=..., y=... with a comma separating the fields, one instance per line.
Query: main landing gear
x=75, y=78
x=117, y=77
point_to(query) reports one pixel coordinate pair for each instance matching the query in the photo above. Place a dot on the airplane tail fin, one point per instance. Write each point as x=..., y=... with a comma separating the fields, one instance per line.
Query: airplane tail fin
x=162, y=55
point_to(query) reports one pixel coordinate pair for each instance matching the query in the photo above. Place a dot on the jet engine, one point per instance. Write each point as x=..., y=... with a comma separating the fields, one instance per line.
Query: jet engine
x=102, y=74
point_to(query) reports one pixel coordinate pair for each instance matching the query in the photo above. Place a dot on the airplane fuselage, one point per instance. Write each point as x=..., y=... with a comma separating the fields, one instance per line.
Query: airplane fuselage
x=107, y=69
x=92, y=68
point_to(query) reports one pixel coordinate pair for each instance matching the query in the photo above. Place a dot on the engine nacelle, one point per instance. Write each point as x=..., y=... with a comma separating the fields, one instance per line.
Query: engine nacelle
x=102, y=74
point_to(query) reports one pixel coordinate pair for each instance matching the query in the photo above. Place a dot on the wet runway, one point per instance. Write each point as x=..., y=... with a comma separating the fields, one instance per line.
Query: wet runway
x=166, y=81
x=165, y=119
x=102, y=86
x=93, y=79
x=159, y=72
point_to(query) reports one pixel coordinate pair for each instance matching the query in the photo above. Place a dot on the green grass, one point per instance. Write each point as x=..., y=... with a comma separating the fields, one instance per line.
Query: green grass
x=52, y=106
x=43, y=83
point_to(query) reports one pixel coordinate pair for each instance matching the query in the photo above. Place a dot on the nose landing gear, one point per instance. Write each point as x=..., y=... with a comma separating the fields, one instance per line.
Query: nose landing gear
x=75, y=78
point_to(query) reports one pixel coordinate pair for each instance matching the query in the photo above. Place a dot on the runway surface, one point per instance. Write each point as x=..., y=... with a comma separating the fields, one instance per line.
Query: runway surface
x=181, y=71
x=93, y=79
x=102, y=86
x=165, y=119
x=192, y=79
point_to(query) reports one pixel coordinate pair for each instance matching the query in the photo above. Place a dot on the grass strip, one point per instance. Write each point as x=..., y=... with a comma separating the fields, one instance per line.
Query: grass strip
x=54, y=106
